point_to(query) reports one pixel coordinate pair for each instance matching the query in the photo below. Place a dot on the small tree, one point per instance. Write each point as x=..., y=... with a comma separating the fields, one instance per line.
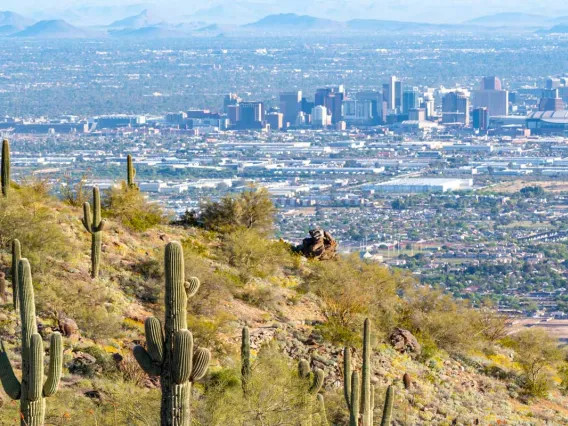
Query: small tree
x=129, y=207
x=537, y=354
x=252, y=209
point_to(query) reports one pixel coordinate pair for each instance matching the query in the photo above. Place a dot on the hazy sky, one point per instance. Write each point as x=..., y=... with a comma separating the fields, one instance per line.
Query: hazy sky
x=412, y=10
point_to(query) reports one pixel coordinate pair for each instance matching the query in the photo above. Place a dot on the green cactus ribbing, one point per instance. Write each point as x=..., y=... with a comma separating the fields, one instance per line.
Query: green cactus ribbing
x=360, y=401
x=130, y=172
x=322, y=410
x=5, y=168
x=94, y=225
x=315, y=380
x=32, y=390
x=170, y=353
x=245, y=360
x=366, y=376
x=387, y=410
x=16, y=256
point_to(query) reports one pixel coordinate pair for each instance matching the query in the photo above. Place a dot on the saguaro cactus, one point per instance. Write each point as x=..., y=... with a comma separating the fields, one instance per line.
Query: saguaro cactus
x=169, y=353
x=130, y=172
x=315, y=380
x=359, y=396
x=5, y=166
x=94, y=225
x=387, y=410
x=245, y=360
x=16, y=256
x=32, y=391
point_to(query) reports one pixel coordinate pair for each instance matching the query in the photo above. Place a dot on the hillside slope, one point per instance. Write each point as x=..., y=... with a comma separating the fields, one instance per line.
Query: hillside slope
x=103, y=385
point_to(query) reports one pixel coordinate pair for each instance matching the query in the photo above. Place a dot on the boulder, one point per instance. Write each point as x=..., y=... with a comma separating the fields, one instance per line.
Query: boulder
x=404, y=342
x=320, y=245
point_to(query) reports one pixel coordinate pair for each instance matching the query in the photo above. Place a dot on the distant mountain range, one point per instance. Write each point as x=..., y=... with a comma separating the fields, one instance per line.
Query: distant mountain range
x=517, y=20
x=14, y=21
x=147, y=24
x=56, y=28
x=143, y=19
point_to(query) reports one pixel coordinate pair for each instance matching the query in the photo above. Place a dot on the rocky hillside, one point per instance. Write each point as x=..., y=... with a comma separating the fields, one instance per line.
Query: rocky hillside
x=286, y=301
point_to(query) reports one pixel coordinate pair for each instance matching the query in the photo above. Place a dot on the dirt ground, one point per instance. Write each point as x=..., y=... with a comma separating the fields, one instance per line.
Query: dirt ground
x=556, y=327
x=517, y=185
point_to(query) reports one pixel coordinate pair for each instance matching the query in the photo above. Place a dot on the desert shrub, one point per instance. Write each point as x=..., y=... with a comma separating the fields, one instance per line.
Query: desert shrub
x=350, y=289
x=251, y=209
x=130, y=207
x=253, y=254
x=208, y=331
x=537, y=355
x=436, y=316
x=74, y=193
x=29, y=215
x=90, y=303
x=276, y=396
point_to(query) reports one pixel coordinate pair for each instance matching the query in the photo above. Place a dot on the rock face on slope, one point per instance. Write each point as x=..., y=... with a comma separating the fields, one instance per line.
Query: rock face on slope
x=404, y=342
x=320, y=245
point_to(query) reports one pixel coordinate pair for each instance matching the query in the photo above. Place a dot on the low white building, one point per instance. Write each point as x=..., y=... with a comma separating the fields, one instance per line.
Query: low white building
x=420, y=185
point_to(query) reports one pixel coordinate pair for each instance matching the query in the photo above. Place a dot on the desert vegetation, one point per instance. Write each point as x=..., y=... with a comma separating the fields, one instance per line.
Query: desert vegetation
x=216, y=323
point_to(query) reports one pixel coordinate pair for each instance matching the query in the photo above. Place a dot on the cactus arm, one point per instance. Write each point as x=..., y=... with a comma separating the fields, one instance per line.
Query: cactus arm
x=101, y=227
x=191, y=286
x=16, y=256
x=35, y=378
x=96, y=207
x=201, y=359
x=322, y=410
x=355, y=399
x=347, y=376
x=55, y=365
x=303, y=368
x=183, y=356
x=5, y=167
x=8, y=379
x=145, y=361
x=87, y=219
x=387, y=410
x=317, y=381
x=154, y=339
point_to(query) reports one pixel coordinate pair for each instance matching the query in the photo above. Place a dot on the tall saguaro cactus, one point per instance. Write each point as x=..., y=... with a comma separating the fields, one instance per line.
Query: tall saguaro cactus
x=16, y=256
x=359, y=396
x=32, y=390
x=130, y=172
x=5, y=168
x=246, y=371
x=94, y=225
x=169, y=353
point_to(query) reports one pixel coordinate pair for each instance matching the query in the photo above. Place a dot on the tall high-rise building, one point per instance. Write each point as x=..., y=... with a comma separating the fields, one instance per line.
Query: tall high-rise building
x=320, y=117
x=332, y=99
x=275, y=120
x=392, y=94
x=490, y=83
x=455, y=108
x=378, y=105
x=491, y=96
x=410, y=100
x=551, y=101
x=251, y=115
x=290, y=106
x=553, y=83
x=230, y=99
x=480, y=118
